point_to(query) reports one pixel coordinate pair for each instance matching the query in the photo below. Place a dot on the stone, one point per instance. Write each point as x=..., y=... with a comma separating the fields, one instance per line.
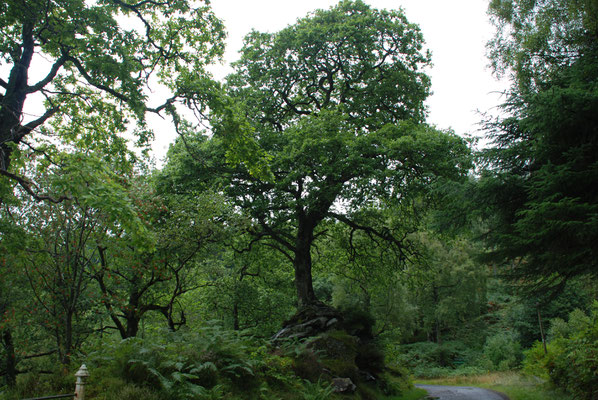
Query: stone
x=309, y=321
x=343, y=385
x=331, y=322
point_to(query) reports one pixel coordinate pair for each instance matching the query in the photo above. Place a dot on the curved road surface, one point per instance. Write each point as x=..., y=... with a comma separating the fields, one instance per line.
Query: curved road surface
x=461, y=393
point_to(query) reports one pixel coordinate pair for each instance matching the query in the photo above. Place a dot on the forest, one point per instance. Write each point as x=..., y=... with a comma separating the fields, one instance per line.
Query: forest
x=309, y=235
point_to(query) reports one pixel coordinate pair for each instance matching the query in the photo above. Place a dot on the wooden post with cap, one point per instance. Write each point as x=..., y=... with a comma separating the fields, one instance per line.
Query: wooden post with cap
x=81, y=375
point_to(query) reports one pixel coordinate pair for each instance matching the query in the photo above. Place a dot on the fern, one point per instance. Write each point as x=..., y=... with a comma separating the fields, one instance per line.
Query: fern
x=317, y=391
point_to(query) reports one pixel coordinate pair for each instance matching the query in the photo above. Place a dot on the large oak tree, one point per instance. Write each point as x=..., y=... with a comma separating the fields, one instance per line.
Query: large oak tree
x=336, y=101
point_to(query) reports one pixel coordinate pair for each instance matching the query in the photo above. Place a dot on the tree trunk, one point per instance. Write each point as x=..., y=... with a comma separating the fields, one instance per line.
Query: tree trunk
x=10, y=363
x=11, y=108
x=302, y=264
x=68, y=339
x=132, y=319
x=236, y=315
x=436, y=297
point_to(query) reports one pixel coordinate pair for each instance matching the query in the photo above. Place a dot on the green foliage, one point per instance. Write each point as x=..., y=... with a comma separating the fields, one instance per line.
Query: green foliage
x=571, y=359
x=212, y=363
x=538, y=191
x=319, y=99
x=378, y=51
x=429, y=359
x=535, y=40
x=180, y=365
x=449, y=288
x=32, y=384
x=101, y=60
x=317, y=390
x=503, y=351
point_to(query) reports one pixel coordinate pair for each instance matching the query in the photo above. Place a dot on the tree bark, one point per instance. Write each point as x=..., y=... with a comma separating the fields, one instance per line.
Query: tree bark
x=11, y=107
x=236, y=315
x=132, y=325
x=302, y=263
x=10, y=363
x=68, y=339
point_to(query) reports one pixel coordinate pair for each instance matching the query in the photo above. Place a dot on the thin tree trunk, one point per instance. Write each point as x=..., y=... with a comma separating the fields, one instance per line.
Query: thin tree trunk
x=10, y=363
x=68, y=339
x=235, y=315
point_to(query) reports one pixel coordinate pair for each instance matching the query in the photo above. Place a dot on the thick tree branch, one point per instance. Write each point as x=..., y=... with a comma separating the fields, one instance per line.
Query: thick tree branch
x=30, y=356
x=387, y=236
x=95, y=84
x=51, y=75
x=277, y=236
x=26, y=129
x=28, y=187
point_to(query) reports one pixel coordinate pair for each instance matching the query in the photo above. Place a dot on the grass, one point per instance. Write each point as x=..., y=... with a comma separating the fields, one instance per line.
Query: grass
x=513, y=384
x=413, y=394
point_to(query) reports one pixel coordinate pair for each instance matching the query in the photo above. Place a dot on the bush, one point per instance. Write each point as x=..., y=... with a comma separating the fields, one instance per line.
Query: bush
x=429, y=359
x=177, y=366
x=503, y=351
x=35, y=384
x=572, y=359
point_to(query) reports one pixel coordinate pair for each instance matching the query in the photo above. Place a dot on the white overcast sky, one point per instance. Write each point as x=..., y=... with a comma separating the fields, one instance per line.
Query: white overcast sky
x=455, y=31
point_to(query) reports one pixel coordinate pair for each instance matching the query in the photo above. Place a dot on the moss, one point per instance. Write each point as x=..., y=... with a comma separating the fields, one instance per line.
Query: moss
x=307, y=366
x=132, y=392
x=369, y=392
x=340, y=368
x=335, y=344
x=358, y=322
x=370, y=358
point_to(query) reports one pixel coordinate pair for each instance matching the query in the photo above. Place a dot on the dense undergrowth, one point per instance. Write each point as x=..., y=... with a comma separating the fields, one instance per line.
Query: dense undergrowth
x=214, y=363
x=566, y=369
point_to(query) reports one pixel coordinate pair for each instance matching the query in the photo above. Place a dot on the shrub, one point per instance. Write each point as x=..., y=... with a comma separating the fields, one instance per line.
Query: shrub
x=177, y=366
x=572, y=359
x=429, y=359
x=503, y=351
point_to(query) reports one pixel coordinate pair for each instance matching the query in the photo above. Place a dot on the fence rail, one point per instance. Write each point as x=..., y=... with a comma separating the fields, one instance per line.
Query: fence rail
x=79, y=394
x=57, y=396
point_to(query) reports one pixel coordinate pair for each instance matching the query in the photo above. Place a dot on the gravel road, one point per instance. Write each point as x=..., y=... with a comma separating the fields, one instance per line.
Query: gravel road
x=461, y=393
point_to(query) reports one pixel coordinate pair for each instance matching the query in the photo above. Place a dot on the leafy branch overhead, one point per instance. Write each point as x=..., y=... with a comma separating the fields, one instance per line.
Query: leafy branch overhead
x=94, y=65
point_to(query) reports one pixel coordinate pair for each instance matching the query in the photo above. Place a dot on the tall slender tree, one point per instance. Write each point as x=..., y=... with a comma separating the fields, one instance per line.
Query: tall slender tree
x=541, y=184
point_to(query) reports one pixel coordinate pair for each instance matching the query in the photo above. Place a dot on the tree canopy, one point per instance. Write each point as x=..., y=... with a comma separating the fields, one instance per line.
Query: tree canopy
x=336, y=101
x=93, y=66
x=543, y=169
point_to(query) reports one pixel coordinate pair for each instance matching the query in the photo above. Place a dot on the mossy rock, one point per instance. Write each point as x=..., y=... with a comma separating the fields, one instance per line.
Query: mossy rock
x=370, y=358
x=340, y=368
x=358, y=322
x=308, y=366
x=335, y=344
x=309, y=321
x=312, y=311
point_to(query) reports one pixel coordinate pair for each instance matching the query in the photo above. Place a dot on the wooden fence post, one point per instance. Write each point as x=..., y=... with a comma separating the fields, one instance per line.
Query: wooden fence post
x=81, y=375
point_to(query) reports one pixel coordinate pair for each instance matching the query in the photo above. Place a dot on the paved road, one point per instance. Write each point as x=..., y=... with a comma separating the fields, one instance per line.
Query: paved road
x=461, y=393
